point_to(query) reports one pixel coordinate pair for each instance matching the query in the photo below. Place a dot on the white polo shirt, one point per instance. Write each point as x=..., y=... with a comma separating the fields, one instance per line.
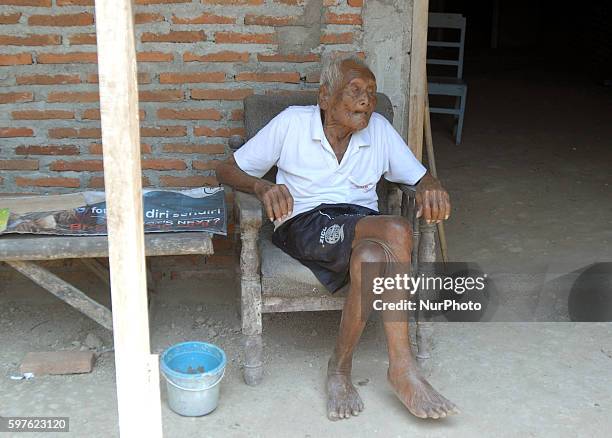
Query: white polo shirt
x=294, y=141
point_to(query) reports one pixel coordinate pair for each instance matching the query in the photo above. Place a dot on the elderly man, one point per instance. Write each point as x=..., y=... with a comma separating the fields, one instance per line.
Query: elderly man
x=324, y=208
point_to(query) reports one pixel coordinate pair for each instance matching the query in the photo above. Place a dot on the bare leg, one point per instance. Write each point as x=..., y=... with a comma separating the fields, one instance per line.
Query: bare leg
x=410, y=387
x=342, y=397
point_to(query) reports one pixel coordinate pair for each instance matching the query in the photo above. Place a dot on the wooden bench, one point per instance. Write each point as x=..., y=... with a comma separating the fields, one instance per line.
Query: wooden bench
x=22, y=251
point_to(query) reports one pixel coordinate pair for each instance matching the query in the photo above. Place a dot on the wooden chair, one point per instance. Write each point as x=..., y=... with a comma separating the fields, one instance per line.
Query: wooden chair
x=448, y=85
x=272, y=281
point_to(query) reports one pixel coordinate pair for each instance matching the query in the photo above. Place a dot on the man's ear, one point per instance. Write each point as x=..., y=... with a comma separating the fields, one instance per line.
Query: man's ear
x=324, y=97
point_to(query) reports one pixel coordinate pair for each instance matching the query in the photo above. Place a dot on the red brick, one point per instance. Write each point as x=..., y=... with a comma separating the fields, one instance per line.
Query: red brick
x=160, y=96
x=290, y=77
x=224, y=56
x=74, y=2
x=189, y=114
x=290, y=57
x=188, y=148
x=181, y=78
x=204, y=165
x=48, y=79
x=16, y=132
x=10, y=18
x=237, y=115
x=67, y=58
x=17, y=59
x=313, y=78
x=17, y=96
x=75, y=133
x=97, y=182
x=332, y=18
x=205, y=18
x=290, y=2
x=47, y=182
x=154, y=57
x=159, y=2
x=337, y=38
x=96, y=148
x=148, y=18
x=82, y=38
x=163, y=164
x=268, y=20
x=18, y=164
x=143, y=78
x=221, y=260
x=178, y=36
x=47, y=150
x=163, y=131
x=42, y=115
x=234, y=2
x=37, y=3
x=187, y=181
x=75, y=96
x=355, y=3
x=77, y=166
x=30, y=40
x=238, y=94
x=94, y=114
x=291, y=92
x=80, y=19
x=244, y=38
x=218, y=132
x=58, y=362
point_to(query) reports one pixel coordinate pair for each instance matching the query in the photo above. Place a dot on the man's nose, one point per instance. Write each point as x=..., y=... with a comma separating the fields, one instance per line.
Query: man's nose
x=364, y=100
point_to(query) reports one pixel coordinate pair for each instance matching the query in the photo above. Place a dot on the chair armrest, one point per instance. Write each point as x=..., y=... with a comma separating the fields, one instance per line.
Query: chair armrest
x=408, y=208
x=248, y=211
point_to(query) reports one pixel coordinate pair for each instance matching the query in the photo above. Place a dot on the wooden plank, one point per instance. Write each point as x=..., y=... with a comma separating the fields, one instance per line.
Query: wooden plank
x=65, y=292
x=418, y=55
x=70, y=247
x=138, y=393
x=301, y=304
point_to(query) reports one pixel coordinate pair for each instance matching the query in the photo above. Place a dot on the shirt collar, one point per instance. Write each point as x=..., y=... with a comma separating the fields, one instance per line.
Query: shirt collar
x=359, y=138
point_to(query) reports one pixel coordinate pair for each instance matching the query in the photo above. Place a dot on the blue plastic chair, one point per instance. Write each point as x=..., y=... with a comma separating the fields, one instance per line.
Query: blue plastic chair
x=449, y=85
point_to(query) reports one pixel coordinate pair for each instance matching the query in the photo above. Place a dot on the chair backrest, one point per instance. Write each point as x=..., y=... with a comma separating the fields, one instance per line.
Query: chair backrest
x=260, y=109
x=447, y=21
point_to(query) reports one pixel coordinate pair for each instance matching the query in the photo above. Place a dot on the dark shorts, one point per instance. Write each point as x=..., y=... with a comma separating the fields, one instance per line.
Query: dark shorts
x=321, y=239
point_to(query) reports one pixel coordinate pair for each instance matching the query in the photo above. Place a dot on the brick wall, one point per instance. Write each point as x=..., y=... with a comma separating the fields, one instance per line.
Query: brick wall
x=197, y=60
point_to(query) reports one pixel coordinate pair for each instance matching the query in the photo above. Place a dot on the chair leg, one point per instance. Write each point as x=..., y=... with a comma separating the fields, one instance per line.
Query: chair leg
x=253, y=359
x=424, y=331
x=250, y=308
x=461, y=117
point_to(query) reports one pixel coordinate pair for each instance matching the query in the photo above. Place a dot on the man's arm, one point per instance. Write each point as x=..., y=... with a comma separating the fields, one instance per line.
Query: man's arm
x=432, y=200
x=276, y=198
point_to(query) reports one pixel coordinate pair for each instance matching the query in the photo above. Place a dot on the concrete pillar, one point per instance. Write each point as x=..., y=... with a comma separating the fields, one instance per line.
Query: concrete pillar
x=387, y=28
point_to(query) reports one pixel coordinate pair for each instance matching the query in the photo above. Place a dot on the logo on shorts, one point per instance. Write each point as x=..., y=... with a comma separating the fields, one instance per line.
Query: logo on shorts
x=332, y=234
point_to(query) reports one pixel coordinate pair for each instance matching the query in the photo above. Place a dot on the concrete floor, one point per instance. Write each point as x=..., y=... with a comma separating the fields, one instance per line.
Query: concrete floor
x=530, y=185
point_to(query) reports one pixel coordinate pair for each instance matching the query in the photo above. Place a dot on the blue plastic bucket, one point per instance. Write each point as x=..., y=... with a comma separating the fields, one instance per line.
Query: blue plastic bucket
x=193, y=371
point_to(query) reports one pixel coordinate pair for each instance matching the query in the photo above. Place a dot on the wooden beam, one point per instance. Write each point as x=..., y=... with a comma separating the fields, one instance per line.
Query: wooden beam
x=137, y=372
x=418, y=56
x=65, y=292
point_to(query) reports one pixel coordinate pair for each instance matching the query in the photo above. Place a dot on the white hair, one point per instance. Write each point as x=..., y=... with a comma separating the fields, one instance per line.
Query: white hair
x=331, y=73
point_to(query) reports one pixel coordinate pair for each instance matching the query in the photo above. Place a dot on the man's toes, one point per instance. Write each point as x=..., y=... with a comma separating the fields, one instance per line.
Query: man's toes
x=441, y=412
x=432, y=413
x=355, y=412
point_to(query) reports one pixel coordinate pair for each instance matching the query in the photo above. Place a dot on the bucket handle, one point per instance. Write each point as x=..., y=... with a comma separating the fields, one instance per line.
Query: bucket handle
x=199, y=389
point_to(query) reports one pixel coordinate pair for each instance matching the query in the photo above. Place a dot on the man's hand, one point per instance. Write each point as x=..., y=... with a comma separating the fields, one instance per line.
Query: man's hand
x=432, y=200
x=276, y=199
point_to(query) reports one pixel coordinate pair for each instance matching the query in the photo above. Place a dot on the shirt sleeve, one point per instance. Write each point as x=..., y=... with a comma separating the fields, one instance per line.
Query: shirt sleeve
x=403, y=167
x=261, y=152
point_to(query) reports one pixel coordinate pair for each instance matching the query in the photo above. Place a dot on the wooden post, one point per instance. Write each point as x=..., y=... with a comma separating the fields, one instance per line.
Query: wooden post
x=137, y=371
x=418, y=60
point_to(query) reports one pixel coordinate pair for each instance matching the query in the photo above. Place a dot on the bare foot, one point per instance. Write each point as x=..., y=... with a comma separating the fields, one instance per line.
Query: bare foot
x=418, y=395
x=342, y=398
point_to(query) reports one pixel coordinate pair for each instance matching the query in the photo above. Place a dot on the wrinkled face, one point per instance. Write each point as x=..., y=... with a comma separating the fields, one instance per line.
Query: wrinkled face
x=353, y=103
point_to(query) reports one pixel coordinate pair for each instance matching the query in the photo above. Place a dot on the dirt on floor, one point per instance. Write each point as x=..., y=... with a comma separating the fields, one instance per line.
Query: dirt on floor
x=531, y=185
